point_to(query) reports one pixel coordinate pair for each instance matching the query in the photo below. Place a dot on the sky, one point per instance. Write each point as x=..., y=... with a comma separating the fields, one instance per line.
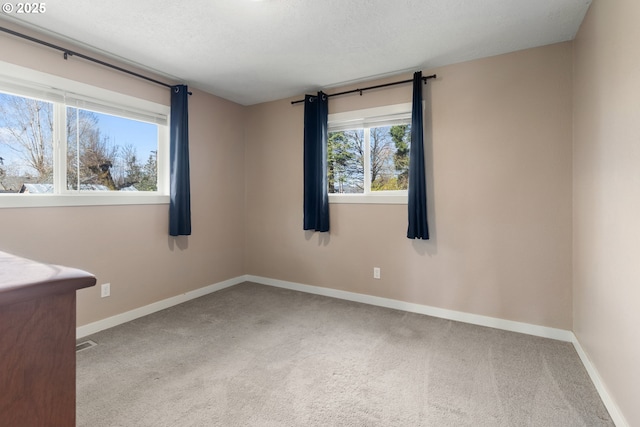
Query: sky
x=122, y=132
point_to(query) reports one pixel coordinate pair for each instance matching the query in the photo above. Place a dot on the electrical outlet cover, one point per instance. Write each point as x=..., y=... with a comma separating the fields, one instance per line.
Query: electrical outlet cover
x=105, y=290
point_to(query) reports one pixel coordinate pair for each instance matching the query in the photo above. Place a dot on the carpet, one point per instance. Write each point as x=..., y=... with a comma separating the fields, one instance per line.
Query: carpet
x=253, y=355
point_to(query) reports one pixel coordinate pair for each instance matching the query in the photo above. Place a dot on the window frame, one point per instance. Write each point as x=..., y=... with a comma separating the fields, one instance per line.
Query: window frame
x=367, y=119
x=63, y=93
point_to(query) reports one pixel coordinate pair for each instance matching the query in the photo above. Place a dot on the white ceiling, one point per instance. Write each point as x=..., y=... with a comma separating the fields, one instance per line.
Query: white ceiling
x=252, y=51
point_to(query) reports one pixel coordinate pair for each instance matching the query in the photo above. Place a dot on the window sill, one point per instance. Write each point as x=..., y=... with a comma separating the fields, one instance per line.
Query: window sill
x=61, y=200
x=376, y=199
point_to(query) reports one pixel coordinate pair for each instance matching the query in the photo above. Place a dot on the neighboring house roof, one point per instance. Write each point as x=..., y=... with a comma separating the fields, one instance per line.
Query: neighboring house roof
x=48, y=188
x=93, y=187
x=12, y=184
x=37, y=188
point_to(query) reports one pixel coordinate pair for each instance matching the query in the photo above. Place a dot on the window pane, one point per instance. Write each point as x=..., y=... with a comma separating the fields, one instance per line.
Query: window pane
x=110, y=153
x=345, y=161
x=390, y=157
x=26, y=148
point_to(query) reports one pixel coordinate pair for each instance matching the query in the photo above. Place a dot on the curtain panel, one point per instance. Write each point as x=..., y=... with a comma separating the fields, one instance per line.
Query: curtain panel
x=179, y=190
x=316, y=196
x=417, y=206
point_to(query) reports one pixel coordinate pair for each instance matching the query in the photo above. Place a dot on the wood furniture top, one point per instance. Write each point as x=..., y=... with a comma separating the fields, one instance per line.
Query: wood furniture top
x=22, y=279
x=37, y=342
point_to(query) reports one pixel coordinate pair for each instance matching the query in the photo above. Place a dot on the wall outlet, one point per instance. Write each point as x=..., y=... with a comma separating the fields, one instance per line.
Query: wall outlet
x=376, y=272
x=105, y=290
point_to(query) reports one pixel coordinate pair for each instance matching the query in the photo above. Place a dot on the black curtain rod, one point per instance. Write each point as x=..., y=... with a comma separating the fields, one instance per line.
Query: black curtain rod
x=425, y=78
x=68, y=52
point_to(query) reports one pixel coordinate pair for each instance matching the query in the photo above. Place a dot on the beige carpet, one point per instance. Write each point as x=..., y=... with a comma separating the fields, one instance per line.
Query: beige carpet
x=253, y=355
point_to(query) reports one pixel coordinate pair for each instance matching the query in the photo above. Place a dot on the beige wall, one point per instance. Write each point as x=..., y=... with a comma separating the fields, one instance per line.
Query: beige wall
x=129, y=246
x=606, y=197
x=499, y=160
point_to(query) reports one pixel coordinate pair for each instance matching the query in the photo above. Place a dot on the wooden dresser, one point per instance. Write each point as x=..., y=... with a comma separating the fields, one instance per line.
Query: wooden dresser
x=37, y=342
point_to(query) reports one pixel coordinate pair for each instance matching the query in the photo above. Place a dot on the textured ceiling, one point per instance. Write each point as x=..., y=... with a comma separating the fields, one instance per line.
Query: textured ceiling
x=252, y=51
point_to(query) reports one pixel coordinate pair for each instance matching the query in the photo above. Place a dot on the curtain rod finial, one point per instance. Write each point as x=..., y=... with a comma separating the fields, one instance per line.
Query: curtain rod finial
x=425, y=78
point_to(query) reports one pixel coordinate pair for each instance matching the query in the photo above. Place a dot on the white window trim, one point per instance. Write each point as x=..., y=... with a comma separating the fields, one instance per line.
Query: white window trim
x=373, y=199
x=82, y=199
x=368, y=118
x=23, y=81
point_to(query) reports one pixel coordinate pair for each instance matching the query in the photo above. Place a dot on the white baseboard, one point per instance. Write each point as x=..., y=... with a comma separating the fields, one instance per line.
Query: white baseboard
x=617, y=417
x=128, y=316
x=476, y=319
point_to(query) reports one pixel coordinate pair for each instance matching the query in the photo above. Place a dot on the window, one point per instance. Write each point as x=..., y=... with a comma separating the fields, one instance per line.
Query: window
x=76, y=149
x=26, y=142
x=110, y=153
x=368, y=155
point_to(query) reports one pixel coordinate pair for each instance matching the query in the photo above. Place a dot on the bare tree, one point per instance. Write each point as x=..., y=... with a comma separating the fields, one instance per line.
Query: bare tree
x=129, y=172
x=27, y=131
x=90, y=155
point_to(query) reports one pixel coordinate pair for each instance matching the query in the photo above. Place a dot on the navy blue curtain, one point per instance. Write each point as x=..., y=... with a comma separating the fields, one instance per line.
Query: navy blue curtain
x=316, y=196
x=179, y=190
x=418, y=228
